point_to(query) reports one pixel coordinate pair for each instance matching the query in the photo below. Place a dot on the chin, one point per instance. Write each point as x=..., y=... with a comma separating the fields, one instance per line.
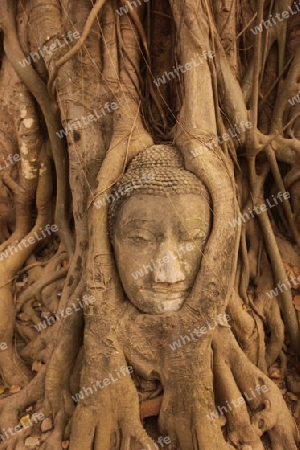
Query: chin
x=172, y=305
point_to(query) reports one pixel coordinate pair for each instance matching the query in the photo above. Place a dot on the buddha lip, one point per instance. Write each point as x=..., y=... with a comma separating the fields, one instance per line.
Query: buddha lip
x=169, y=291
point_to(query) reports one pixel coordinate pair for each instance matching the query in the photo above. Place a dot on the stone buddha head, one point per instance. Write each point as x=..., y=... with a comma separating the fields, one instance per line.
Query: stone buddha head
x=159, y=224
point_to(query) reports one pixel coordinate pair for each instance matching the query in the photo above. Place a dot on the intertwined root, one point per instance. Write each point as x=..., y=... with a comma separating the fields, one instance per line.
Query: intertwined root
x=250, y=401
x=253, y=403
x=10, y=409
x=110, y=417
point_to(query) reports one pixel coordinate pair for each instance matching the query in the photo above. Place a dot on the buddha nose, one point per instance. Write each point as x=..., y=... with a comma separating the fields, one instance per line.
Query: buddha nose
x=168, y=267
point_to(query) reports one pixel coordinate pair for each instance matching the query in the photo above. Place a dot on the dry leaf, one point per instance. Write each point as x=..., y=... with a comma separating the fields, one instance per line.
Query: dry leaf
x=14, y=389
x=32, y=442
x=46, y=425
x=292, y=396
x=36, y=366
x=24, y=317
x=25, y=421
x=274, y=372
x=292, y=273
x=296, y=301
x=36, y=304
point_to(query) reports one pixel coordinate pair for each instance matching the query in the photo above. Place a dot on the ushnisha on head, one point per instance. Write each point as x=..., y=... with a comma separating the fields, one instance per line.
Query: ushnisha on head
x=158, y=227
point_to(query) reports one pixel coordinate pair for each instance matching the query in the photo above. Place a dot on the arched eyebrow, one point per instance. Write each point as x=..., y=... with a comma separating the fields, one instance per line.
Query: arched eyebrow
x=140, y=221
x=132, y=224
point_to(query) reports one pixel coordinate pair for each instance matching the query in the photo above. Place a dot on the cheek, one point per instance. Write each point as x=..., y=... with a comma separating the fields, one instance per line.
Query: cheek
x=190, y=262
x=130, y=261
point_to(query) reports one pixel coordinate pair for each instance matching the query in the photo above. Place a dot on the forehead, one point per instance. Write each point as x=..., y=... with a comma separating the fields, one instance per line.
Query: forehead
x=163, y=212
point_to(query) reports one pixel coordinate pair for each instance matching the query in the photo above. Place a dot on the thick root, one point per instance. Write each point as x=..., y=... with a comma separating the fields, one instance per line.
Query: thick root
x=267, y=409
x=11, y=407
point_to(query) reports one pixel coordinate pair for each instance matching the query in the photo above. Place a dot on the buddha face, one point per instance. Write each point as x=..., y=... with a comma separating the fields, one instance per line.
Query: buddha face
x=158, y=243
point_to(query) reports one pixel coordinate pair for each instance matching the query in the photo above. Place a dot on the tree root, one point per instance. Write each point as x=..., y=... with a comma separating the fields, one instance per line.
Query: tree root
x=35, y=289
x=11, y=407
x=36, y=86
x=267, y=409
x=247, y=331
x=238, y=424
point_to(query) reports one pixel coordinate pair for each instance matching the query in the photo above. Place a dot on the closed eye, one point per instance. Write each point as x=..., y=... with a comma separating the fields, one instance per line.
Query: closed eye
x=138, y=239
x=141, y=237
